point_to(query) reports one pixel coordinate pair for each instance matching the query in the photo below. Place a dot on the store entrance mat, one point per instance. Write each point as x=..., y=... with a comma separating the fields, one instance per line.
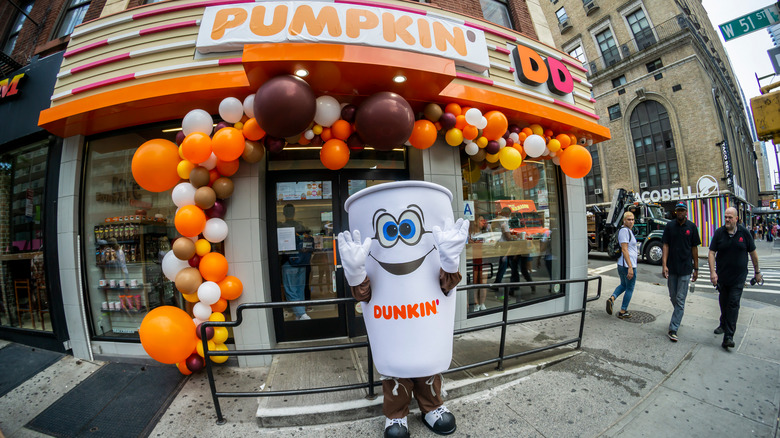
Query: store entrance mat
x=118, y=400
x=19, y=363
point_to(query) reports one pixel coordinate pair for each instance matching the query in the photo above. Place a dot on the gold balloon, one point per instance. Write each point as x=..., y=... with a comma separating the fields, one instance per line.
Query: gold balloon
x=183, y=248
x=223, y=187
x=204, y=198
x=188, y=280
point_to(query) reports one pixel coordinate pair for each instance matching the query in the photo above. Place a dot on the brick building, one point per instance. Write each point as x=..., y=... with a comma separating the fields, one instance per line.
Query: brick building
x=663, y=85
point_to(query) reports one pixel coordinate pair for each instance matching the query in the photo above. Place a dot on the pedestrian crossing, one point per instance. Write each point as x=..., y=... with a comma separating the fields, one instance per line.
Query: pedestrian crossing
x=770, y=270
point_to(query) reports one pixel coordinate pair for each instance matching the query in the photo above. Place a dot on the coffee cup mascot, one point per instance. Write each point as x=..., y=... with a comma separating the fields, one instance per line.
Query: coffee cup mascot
x=404, y=273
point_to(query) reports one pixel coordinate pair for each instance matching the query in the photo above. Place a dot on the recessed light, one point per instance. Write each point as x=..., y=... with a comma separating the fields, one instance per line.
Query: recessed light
x=399, y=79
x=302, y=72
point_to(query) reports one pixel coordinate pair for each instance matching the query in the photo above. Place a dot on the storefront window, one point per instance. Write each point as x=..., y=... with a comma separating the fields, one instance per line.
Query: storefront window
x=24, y=302
x=516, y=232
x=127, y=230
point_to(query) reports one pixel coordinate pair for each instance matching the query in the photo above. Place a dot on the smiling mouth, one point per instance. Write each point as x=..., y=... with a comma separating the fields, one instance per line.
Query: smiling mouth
x=402, y=268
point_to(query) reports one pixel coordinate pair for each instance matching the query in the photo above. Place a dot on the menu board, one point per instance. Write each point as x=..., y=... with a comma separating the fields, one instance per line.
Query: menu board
x=301, y=190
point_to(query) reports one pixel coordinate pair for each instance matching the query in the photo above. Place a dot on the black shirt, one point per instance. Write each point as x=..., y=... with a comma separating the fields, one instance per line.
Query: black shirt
x=681, y=240
x=731, y=255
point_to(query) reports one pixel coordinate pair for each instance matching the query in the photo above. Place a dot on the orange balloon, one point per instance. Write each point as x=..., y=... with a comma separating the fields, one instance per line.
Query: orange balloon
x=341, y=129
x=326, y=134
x=303, y=141
x=423, y=134
x=213, y=176
x=522, y=136
x=573, y=139
x=470, y=132
x=227, y=168
x=460, y=122
x=548, y=133
x=527, y=131
x=453, y=108
x=196, y=147
x=576, y=161
x=231, y=287
x=219, y=306
x=213, y=267
x=168, y=334
x=520, y=149
x=228, y=144
x=334, y=154
x=155, y=165
x=564, y=139
x=182, y=366
x=252, y=130
x=496, y=126
x=190, y=220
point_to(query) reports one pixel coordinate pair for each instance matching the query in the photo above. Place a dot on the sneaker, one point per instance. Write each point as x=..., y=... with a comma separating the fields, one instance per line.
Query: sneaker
x=304, y=317
x=440, y=421
x=482, y=306
x=727, y=343
x=718, y=331
x=610, y=302
x=672, y=335
x=624, y=314
x=396, y=428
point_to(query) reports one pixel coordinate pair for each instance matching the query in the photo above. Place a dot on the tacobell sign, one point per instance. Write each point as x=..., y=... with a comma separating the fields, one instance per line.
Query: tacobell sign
x=532, y=69
x=706, y=186
x=228, y=28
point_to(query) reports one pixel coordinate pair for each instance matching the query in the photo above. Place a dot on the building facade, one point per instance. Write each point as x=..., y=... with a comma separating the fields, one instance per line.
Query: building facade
x=663, y=85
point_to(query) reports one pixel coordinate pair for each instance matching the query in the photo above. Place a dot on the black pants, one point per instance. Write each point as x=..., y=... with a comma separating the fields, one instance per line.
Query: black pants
x=728, y=298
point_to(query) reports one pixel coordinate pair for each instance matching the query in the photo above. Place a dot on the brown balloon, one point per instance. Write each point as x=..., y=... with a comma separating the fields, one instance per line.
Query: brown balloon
x=188, y=280
x=284, y=106
x=479, y=156
x=183, y=248
x=385, y=121
x=253, y=151
x=223, y=187
x=204, y=198
x=432, y=112
x=199, y=177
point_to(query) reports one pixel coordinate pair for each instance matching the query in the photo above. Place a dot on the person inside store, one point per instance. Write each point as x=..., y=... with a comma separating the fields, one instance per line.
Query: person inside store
x=476, y=230
x=294, y=265
x=511, y=260
x=626, y=265
x=680, y=262
x=729, y=248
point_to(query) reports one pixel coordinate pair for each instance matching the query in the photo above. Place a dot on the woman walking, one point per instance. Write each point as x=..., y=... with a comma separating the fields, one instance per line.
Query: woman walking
x=626, y=266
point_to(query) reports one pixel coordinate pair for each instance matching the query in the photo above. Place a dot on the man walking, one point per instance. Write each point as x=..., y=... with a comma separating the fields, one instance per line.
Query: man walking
x=680, y=262
x=729, y=249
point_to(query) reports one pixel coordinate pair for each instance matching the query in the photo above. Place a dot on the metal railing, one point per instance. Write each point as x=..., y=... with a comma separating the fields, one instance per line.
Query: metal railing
x=370, y=383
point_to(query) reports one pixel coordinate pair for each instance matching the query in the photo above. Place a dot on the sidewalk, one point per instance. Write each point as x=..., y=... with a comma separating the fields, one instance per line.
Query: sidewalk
x=627, y=380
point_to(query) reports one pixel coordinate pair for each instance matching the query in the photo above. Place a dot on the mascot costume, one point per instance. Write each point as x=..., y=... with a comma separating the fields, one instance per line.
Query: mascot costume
x=403, y=274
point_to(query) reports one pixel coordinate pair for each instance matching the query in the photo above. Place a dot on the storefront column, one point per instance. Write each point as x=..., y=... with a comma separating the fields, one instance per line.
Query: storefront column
x=68, y=246
x=576, y=239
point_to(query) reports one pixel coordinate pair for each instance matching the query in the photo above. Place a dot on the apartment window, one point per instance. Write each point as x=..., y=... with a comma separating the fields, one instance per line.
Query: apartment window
x=651, y=133
x=496, y=11
x=653, y=66
x=561, y=14
x=614, y=112
x=72, y=17
x=578, y=53
x=619, y=81
x=609, y=50
x=593, y=179
x=640, y=27
x=16, y=27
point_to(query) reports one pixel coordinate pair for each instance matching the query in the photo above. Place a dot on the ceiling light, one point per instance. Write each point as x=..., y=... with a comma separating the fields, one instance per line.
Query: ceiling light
x=302, y=72
x=399, y=79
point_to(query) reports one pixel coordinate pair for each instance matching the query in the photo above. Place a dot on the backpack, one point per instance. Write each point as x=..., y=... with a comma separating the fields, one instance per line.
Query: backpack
x=613, y=247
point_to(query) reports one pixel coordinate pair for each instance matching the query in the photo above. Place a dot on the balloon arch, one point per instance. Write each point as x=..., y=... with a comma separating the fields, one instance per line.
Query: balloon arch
x=284, y=111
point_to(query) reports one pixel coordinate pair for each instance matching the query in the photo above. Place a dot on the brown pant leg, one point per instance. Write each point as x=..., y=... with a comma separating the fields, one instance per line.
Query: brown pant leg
x=427, y=400
x=396, y=406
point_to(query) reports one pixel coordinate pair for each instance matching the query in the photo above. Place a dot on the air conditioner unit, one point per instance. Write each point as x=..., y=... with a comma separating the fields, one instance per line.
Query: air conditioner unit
x=564, y=26
x=597, y=191
x=590, y=7
x=643, y=185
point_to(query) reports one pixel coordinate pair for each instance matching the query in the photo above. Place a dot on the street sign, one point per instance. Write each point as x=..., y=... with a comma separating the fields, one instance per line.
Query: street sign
x=777, y=186
x=751, y=22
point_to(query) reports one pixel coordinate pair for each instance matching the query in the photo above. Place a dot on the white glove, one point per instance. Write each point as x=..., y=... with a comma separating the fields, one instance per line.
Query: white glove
x=451, y=241
x=353, y=256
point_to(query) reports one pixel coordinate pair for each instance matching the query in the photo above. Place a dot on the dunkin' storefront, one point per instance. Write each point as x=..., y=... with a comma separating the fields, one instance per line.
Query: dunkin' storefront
x=212, y=150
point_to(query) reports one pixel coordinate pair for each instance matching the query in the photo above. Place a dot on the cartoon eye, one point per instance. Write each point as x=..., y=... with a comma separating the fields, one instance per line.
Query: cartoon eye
x=410, y=227
x=387, y=230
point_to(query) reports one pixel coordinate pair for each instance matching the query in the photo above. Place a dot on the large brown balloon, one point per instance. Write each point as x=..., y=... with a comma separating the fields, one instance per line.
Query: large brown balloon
x=204, y=198
x=223, y=187
x=199, y=177
x=284, y=106
x=188, y=280
x=384, y=121
x=253, y=151
x=183, y=248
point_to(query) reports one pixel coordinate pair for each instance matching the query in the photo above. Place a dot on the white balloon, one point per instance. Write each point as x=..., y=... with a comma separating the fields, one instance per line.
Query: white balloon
x=328, y=111
x=216, y=230
x=231, y=110
x=210, y=163
x=201, y=311
x=309, y=134
x=183, y=194
x=546, y=152
x=556, y=160
x=534, y=146
x=171, y=265
x=249, y=106
x=473, y=116
x=197, y=120
x=502, y=142
x=208, y=292
x=198, y=321
x=515, y=137
x=471, y=148
x=482, y=123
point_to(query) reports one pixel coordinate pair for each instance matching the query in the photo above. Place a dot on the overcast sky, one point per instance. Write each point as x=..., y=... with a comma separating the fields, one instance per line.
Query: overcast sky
x=747, y=53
